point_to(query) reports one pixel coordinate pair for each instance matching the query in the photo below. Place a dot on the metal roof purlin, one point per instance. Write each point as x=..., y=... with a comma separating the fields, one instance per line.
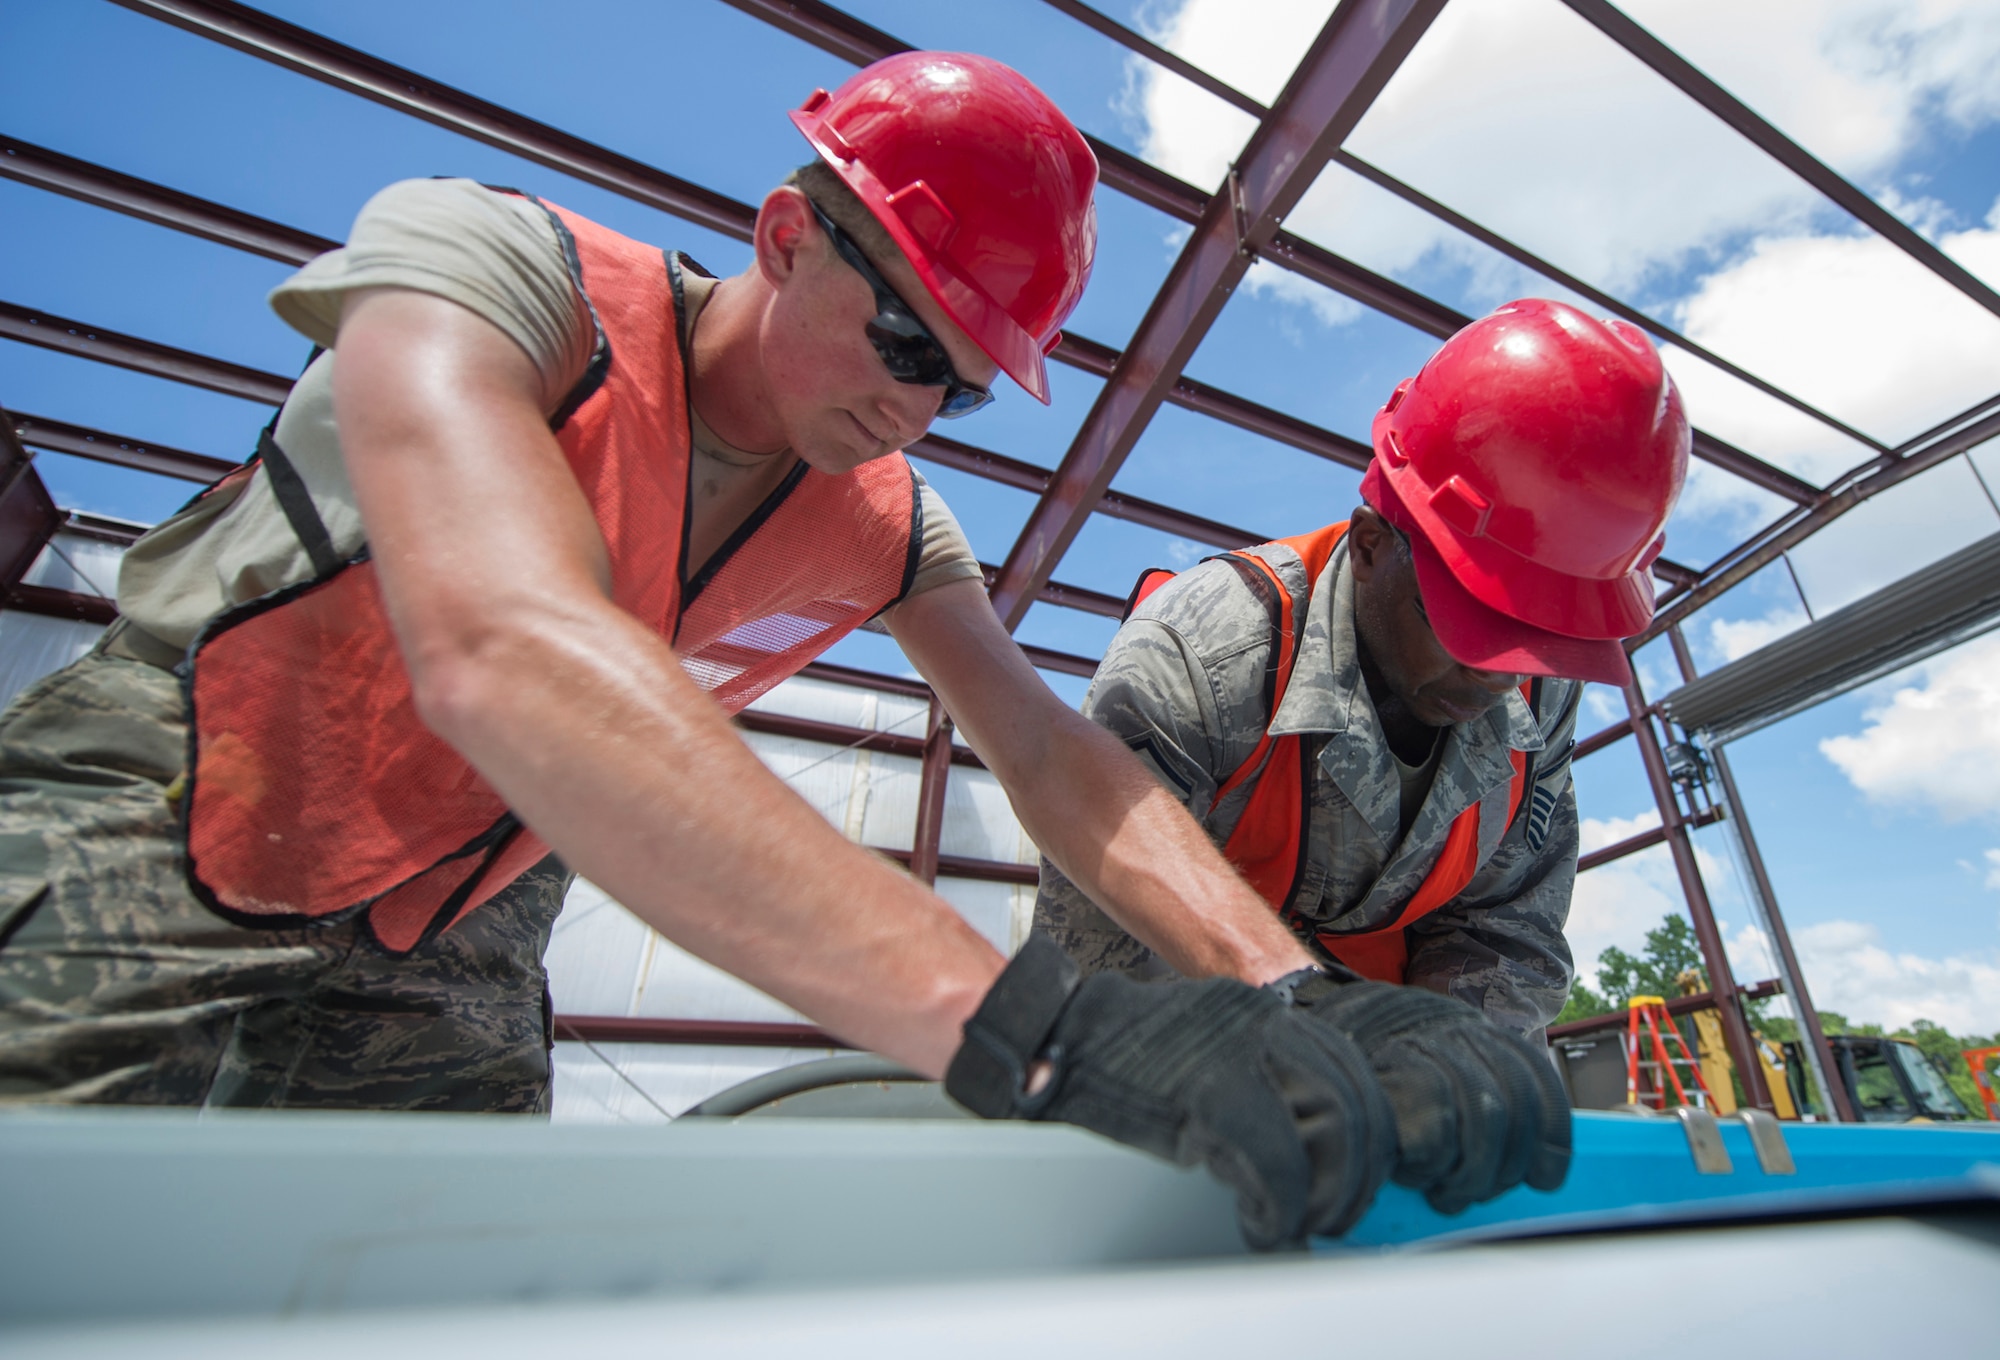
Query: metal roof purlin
x=1759, y=552
x=302, y=50
x=1352, y=59
x=1689, y=80
x=1145, y=47
x=59, y=436
x=1520, y=255
x=142, y=356
x=150, y=202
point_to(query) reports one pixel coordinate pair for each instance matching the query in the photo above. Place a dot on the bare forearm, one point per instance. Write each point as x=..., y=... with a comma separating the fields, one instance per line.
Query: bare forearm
x=1107, y=824
x=603, y=747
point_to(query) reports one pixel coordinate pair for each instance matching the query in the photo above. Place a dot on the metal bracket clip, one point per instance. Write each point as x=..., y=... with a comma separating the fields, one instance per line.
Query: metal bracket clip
x=1768, y=1137
x=1711, y=1158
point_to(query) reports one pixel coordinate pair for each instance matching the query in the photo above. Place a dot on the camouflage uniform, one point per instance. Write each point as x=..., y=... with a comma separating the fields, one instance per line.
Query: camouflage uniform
x=116, y=985
x=1184, y=685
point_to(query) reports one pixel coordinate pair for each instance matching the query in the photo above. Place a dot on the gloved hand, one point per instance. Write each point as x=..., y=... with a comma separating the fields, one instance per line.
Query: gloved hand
x=1478, y=1108
x=1281, y=1109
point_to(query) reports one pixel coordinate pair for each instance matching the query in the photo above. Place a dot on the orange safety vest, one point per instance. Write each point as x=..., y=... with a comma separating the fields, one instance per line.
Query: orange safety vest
x=1268, y=846
x=315, y=790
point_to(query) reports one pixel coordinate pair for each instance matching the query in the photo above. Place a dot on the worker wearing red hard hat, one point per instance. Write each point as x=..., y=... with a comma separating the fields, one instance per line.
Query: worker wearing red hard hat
x=1375, y=719
x=551, y=507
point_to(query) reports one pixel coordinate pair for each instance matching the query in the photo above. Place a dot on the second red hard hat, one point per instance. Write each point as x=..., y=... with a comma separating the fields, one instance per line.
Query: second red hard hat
x=1538, y=453
x=983, y=184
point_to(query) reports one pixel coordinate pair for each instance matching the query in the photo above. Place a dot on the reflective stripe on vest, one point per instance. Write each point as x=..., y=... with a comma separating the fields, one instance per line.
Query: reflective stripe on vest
x=1268, y=845
x=315, y=790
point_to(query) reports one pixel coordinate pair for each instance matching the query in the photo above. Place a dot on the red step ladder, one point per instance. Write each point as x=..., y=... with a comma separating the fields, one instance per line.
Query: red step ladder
x=1651, y=1011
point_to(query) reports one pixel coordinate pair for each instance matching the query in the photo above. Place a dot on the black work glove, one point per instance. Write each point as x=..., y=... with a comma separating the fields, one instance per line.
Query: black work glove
x=1282, y=1110
x=1479, y=1109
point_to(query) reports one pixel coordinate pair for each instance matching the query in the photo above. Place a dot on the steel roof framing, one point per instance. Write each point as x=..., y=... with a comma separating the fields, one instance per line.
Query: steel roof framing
x=1684, y=76
x=59, y=436
x=308, y=53
x=1348, y=64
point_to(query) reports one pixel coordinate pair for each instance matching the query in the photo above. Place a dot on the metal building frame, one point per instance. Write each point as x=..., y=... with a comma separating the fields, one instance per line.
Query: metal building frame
x=1297, y=136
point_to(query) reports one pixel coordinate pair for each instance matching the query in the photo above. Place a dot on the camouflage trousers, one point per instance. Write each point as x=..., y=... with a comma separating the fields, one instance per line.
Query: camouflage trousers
x=118, y=986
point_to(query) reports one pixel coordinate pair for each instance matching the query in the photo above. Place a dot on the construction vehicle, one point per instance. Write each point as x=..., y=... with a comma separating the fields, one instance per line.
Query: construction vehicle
x=1892, y=1081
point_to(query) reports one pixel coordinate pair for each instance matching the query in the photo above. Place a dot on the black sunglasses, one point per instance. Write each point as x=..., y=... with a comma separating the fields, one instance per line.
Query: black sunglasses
x=909, y=351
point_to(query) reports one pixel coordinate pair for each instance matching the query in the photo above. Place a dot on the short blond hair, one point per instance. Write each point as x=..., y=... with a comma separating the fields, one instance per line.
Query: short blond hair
x=832, y=196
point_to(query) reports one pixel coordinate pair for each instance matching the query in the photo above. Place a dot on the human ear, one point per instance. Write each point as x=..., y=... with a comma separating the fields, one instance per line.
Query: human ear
x=1367, y=538
x=782, y=234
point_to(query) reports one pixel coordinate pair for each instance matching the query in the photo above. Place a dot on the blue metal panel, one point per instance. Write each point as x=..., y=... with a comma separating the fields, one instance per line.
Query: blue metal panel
x=1639, y=1171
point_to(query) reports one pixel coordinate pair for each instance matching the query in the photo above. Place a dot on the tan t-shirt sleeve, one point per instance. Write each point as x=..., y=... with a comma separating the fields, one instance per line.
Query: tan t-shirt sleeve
x=947, y=554
x=497, y=255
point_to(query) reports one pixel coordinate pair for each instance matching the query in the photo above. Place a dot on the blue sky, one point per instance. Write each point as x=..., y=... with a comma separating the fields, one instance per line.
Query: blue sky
x=1511, y=111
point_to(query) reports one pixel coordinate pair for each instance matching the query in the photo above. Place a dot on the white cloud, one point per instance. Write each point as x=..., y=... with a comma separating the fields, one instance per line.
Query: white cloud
x=1993, y=869
x=1849, y=969
x=1522, y=115
x=1740, y=637
x=1934, y=743
x=1617, y=903
x=1848, y=323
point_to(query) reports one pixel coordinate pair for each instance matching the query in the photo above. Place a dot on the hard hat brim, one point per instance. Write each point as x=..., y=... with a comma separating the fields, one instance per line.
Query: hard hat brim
x=1474, y=632
x=1480, y=636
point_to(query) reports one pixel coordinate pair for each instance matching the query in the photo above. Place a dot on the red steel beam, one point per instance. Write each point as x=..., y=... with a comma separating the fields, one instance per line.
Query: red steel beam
x=998, y=467
x=111, y=189
x=1352, y=59
x=637, y=1029
x=93, y=184
x=837, y=734
x=1645, y=840
x=59, y=436
x=1751, y=557
x=309, y=54
x=1158, y=55
x=927, y=842
x=1735, y=1027
x=1686, y=77
x=1676, y=1005
x=54, y=603
x=1494, y=241
x=141, y=356
x=346, y=68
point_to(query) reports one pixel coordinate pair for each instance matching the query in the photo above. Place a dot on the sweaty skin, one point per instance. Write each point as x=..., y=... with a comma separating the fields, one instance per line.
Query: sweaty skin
x=585, y=722
x=1416, y=685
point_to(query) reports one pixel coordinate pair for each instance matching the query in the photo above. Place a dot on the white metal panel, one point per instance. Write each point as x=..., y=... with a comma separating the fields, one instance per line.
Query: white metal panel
x=78, y=562
x=31, y=646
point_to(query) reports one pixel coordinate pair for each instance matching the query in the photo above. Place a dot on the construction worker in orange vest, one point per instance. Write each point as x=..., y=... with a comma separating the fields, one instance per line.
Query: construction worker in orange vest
x=1375, y=719
x=552, y=506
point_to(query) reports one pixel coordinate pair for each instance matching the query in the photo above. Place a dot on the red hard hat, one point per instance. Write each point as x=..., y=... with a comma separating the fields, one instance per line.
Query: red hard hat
x=981, y=181
x=1537, y=455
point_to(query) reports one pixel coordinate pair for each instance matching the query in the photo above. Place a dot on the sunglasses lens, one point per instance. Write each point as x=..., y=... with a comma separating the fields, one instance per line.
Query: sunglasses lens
x=910, y=352
x=963, y=402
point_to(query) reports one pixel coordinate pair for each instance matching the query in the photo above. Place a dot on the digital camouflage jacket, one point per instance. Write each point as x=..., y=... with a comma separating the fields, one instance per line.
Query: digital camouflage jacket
x=1184, y=686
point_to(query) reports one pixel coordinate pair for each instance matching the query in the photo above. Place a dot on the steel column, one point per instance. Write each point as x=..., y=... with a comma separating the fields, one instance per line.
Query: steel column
x=1721, y=982
x=1349, y=63
x=1818, y=1052
x=930, y=795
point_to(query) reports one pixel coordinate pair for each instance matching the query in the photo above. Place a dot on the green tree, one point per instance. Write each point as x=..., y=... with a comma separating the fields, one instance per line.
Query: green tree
x=1671, y=949
x=1582, y=1005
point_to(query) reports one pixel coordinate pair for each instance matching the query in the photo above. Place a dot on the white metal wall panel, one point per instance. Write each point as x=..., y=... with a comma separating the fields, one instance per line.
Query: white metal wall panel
x=31, y=646
x=604, y=961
